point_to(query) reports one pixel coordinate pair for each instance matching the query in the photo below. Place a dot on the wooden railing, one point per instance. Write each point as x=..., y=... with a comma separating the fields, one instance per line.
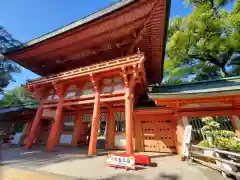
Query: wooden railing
x=100, y=67
x=228, y=163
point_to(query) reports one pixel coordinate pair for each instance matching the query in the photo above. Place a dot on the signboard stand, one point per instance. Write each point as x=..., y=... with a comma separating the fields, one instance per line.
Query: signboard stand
x=121, y=161
x=186, y=141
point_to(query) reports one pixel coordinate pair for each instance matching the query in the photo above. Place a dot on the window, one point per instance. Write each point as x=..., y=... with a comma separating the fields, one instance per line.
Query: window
x=120, y=121
x=69, y=122
x=120, y=126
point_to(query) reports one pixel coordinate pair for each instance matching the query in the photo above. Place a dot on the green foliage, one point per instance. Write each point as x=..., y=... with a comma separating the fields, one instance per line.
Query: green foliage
x=7, y=67
x=211, y=126
x=217, y=138
x=18, y=97
x=206, y=144
x=205, y=44
x=6, y=70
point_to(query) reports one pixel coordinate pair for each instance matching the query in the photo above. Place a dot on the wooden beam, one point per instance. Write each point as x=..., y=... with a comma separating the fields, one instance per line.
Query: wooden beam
x=107, y=105
x=209, y=113
x=141, y=32
x=72, y=108
x=86, y=97
x=103, y=67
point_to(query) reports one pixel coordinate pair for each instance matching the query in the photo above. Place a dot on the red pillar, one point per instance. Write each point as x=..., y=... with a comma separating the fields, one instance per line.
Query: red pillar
x=129, y=120
x=95, y=124
x=78, y=129
x=34, y=128
x=111, y=128
x=55, y=131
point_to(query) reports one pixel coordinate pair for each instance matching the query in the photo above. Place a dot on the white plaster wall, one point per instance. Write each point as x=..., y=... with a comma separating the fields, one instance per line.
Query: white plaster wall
x=120, y=140
x=16, y=138
x=66, y=139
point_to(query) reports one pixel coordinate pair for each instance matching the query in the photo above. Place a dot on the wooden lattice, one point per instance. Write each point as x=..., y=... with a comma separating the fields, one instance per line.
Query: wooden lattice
x=69, y=122
x=119, y=116
x=197, y=124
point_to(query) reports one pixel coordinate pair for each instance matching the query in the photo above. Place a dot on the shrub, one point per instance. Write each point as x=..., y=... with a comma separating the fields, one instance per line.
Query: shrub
x=217, y=138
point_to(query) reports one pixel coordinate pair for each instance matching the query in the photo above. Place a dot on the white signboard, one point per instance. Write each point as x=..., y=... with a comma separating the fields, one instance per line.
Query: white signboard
x=187, y=134
x=186, y=140
x=121, y=161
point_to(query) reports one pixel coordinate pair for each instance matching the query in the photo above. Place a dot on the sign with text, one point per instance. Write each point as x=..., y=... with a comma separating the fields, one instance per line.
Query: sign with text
x=186, y=140
x=187, y=134
x=127, y=162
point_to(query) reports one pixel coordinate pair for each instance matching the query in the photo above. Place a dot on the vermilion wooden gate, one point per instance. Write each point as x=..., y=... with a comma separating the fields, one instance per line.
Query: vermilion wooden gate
x=158, y=134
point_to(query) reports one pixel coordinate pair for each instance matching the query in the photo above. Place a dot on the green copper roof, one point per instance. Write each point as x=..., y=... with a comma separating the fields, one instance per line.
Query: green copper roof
x=213, y=87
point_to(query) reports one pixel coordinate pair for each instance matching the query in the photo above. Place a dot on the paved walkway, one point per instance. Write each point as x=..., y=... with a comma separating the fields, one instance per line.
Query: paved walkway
x=73, y=164
x=20, y=174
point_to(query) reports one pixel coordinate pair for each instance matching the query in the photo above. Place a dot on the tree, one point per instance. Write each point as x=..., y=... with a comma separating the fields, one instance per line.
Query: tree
x=205, y=44
x=7, y=67
x=18, y=97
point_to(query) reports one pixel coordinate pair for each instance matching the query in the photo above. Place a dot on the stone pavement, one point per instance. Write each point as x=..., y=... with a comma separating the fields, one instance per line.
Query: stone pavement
x=19, y=174
x=73, y=164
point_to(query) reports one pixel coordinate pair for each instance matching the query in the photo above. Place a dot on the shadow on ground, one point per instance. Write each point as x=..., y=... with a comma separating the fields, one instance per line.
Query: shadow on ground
x=38, y=157
x=161, y=176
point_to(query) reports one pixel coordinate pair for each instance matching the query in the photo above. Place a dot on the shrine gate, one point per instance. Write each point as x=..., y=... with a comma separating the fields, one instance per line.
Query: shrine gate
x=105, y=64
x=99, y=64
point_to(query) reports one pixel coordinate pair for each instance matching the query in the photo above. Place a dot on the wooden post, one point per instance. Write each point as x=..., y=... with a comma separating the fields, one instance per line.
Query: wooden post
x=34, y=128
x=30, y=123
x=26, y=127
x=78, y=129
x=182, y=122
x=236, y=124
x=129, y=120
x=55, y=131
x=95, y=120
x=111, y=128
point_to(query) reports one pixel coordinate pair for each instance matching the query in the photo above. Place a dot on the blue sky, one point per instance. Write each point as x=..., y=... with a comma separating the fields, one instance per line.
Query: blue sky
x=28, y=19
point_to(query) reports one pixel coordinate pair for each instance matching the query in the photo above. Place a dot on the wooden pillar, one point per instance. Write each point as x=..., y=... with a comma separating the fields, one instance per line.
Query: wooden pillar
x=28, y=131
x=129, y=120
x=236, y=125
x=26, y=127
x=56, y=128
x=95, y=121
x=34, y=128
x=111, y=129
x=61, y=129
x=182, y=122
x=78, y=129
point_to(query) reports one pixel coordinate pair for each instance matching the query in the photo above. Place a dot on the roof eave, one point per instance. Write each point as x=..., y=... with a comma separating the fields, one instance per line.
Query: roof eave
x=79, y=23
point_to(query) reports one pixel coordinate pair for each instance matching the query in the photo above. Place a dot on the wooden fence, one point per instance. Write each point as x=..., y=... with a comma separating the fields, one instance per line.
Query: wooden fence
x=228, y=163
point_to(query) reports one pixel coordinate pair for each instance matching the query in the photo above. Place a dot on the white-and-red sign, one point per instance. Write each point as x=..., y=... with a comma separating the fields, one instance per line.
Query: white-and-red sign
x=127, y=162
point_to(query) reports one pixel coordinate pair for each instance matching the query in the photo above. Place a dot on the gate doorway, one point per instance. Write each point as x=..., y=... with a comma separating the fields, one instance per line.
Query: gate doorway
x=158, y=134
